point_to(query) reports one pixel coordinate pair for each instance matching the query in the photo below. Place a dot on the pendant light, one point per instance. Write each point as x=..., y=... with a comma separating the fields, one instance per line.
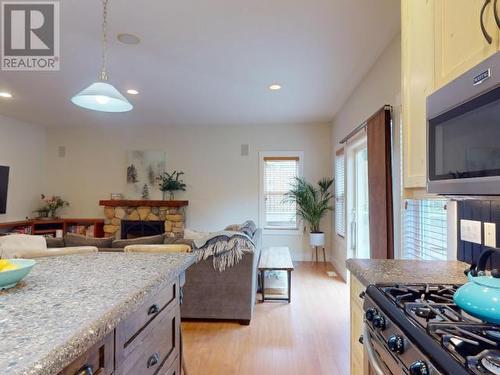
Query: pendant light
x=102, y=96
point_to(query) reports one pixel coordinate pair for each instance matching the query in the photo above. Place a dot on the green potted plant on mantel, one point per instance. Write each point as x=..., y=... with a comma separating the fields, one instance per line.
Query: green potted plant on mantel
x=312, y=205
x=171, y=182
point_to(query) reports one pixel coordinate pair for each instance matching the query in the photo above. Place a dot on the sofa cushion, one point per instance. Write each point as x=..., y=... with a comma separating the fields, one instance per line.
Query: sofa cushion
x=147, y=240
x=74, y=240
x=178, y=241
x=54, y=243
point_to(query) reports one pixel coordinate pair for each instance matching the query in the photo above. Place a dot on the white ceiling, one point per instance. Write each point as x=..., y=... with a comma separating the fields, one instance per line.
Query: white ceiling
x=210, y=61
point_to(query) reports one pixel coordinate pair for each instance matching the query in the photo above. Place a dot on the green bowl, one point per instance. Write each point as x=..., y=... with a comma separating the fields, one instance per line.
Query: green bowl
x=9, y=279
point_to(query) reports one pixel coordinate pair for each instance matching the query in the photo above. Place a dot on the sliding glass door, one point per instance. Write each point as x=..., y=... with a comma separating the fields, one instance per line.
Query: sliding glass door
x=358, y=200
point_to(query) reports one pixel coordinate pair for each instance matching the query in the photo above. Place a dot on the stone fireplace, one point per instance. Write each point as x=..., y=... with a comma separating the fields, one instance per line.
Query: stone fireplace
x=143, y=217
x=141, y=228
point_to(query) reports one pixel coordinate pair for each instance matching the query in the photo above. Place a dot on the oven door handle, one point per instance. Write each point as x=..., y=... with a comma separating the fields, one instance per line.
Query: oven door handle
x=376, y=367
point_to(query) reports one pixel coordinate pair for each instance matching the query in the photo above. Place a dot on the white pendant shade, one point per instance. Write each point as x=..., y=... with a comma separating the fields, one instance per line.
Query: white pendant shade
x=101, y=96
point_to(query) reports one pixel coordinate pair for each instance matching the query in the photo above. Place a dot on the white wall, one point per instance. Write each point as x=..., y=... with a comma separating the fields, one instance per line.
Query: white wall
x=223, y=187
x=381, y=85
x=23, y=149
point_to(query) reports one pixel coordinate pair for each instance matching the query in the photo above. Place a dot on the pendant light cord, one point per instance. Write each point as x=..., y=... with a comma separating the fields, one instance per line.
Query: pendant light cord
x=104, y=74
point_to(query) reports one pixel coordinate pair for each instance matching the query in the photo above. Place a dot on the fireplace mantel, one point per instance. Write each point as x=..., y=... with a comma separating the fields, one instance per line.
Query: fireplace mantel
x=142, y=203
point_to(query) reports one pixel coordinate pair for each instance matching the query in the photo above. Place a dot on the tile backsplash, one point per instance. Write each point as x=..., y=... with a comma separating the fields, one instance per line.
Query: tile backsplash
x=484, y=211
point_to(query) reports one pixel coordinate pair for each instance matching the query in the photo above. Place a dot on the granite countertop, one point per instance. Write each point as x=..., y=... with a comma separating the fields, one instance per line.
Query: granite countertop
x=68, y=303
x=381, y=271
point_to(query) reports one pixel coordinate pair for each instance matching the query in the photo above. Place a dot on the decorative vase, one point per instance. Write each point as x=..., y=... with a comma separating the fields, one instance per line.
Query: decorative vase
x=317, y=239
x=171, y=196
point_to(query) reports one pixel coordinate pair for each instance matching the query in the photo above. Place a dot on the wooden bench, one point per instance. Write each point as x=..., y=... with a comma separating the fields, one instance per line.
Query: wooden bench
x=275, y=259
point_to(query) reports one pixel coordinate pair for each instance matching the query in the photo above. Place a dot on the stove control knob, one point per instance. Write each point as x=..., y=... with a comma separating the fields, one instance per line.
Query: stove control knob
x=419, y=368
x=379, y=322
x=396, y=344
x=370, y=314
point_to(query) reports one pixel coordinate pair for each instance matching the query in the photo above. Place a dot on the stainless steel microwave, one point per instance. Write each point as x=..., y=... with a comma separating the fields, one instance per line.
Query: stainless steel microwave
x=463, y=133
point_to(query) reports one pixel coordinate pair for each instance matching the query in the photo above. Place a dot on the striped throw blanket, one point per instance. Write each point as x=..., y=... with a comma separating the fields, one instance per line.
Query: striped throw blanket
x=226, y=247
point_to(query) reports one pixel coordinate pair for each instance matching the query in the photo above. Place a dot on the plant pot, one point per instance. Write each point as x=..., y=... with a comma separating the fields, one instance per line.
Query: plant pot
x=43, y=214
x=317, y=239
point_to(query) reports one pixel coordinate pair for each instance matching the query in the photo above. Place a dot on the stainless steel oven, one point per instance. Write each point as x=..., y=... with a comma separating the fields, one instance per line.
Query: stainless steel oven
x=463, y=133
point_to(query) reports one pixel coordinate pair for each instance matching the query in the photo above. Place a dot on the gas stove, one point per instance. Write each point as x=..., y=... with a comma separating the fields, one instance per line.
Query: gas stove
x=418, y=330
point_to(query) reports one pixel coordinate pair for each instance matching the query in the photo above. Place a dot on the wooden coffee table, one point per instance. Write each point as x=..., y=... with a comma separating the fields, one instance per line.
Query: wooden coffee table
x=276, y=259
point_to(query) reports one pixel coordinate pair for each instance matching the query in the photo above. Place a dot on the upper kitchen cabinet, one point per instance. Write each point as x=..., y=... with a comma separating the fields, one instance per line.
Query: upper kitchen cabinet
x=465, y=34
x=417, y=33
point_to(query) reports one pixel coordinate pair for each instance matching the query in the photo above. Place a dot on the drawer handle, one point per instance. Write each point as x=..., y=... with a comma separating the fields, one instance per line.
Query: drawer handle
x=153, y=309
x=85, y=370
x=153, y=360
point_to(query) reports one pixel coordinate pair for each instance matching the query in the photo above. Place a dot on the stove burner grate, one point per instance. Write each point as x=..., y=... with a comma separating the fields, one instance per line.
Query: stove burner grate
x=492, y=364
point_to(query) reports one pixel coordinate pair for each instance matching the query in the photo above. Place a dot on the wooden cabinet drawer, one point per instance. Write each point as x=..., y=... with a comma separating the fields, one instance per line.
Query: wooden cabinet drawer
x=99, y=358
x=128, y=329
x=356, y=289
x=357, y=365
x=155, y=346
x=174, y=368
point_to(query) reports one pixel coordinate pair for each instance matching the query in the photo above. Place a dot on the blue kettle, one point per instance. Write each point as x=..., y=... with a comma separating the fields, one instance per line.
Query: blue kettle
x=480, y=297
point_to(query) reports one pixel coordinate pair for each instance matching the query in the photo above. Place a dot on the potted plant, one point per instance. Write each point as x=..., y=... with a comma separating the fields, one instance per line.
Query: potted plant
x=312, y=205
x=171, y=182
x=52, y=204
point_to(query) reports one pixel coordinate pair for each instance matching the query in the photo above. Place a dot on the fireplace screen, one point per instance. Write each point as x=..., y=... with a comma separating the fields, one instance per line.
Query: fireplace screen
x=139, y=228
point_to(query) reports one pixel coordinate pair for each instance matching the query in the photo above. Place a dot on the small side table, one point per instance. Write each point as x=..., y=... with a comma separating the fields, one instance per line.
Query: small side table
x=275, y=259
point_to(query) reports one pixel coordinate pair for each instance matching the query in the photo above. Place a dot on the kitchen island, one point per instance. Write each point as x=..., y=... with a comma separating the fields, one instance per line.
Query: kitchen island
x=365, y=272
x=69, y=304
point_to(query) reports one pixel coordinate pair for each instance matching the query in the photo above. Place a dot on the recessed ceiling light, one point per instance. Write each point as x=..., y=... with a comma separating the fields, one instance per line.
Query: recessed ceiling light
x=275, y=87
x=128, y=38
x=5, y=94
x=132, y=92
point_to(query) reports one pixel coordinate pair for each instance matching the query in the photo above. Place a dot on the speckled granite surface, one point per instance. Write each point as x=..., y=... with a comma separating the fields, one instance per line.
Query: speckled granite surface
x=378, y=271
x=68, y=303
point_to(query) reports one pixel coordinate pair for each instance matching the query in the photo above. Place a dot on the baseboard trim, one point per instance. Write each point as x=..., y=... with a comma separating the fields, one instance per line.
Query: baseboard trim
x=336, y=268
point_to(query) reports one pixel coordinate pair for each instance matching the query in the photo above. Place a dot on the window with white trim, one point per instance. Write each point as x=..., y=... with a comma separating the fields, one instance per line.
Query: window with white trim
x=278, y=172
x=340, y=193
x=425, y=229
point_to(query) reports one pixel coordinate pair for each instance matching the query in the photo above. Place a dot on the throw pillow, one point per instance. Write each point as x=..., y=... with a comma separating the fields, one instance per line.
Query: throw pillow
x=233, y=228
x=148, y=240
x=73, y=240
x=249, y=228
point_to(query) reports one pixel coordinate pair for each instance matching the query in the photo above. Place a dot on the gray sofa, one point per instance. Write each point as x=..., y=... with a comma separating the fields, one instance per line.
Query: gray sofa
x=229, y=295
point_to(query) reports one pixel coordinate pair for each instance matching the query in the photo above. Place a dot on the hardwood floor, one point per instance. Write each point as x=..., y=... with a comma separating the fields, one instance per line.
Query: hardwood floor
x=310, y=336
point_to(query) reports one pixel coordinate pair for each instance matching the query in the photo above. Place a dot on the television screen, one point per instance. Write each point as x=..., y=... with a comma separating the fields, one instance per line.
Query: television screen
x=4, y=184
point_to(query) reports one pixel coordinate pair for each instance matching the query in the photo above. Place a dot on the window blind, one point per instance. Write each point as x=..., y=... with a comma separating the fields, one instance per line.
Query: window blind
x=340, y=193
x=425, y=229
x=279, y=175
